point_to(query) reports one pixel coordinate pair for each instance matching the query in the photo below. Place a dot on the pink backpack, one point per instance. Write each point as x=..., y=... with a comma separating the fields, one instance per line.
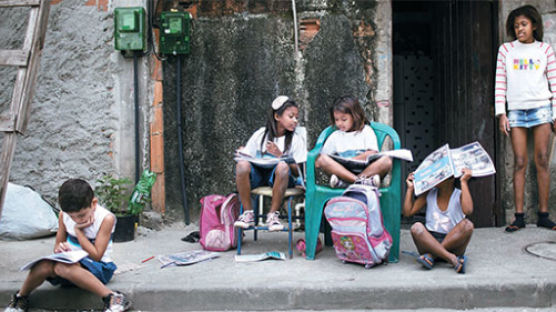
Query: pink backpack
x=358, y=231
x=218, y=214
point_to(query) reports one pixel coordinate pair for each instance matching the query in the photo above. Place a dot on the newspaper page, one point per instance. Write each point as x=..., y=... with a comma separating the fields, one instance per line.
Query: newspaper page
x=260, y=257
x=73, y=256
x=436, y=168
x=474, y=157
x=264, y=161
x=445, y=162
x=186, y=257
x=358, y=165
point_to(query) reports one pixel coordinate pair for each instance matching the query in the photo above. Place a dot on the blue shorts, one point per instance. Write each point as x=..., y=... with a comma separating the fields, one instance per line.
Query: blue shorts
x=101, y=270
x=529, y=118
x=438, y=236
x=265, y=177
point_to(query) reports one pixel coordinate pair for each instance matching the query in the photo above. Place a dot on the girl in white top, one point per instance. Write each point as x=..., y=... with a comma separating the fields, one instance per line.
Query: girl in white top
x=447, y=232
x=354, y=139
x=526, y=81
x=280, y=138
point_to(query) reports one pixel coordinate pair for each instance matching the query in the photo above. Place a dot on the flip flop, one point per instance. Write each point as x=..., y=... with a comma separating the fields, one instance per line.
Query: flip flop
x=512, y=228
x=461, y=265
x=515, y=226
x=426, y=260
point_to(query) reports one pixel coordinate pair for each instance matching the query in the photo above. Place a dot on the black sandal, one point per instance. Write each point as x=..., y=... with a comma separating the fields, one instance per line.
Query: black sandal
x=518, y=223
x=545, y=222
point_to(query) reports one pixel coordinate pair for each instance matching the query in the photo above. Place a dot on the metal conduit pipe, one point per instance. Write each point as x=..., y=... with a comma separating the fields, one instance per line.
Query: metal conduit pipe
x=295, y=26
x=180, y=141
x=136, y=113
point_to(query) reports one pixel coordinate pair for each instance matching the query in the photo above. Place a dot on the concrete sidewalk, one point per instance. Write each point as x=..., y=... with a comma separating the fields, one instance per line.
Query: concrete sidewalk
x=500, y=273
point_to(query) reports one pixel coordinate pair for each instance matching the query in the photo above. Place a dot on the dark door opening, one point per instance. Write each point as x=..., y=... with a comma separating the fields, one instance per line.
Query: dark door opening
x=444, y=61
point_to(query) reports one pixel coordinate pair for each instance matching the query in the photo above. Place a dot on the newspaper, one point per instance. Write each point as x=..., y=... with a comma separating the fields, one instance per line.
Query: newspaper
x=264, y=161
x=73, y=256
x=445, y=163
x=275, y=255
x=186, y=257
x=358, y=165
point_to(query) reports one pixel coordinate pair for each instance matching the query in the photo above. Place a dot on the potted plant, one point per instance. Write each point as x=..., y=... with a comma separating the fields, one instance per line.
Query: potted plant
x=114, y=193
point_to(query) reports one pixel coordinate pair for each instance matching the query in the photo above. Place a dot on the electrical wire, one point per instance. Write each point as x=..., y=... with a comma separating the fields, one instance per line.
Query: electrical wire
x=151, y=25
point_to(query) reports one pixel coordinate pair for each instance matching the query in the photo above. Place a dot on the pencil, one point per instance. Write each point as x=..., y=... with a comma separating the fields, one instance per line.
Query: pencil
x=149, y=258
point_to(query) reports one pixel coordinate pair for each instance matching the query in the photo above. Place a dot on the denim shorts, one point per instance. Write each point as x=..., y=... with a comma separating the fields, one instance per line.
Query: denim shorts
x=529, y=118
x=261, y=176
x=101, y=270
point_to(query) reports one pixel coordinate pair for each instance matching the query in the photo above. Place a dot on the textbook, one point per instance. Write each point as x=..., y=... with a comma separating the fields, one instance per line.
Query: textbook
x=73, y=256
x=445, y=163
x=275, y=255
x=264, y=161
x=186, y=257
x=358, y=165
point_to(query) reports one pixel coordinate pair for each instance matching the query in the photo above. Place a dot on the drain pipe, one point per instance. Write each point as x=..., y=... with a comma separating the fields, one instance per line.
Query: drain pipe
x=136, y=113
x=180, y=141
x=295, y=27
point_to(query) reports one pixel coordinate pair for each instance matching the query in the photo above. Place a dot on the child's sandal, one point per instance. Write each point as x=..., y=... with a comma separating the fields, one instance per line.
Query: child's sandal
x=426, y=260
x=461, y=265
x=518, y=223
x=545, y=222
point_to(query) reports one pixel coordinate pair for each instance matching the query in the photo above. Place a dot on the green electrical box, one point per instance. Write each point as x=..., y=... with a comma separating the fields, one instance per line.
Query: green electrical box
x=175, y=32
x=129, y=29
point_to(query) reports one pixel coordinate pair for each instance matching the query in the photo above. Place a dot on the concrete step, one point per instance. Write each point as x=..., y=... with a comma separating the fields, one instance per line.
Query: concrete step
x=499, y=274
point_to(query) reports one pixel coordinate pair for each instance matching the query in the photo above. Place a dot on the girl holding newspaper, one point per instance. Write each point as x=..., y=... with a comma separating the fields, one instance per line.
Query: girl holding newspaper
x=526, y=80
x=356, y=140
x=270, y=158
x=447, y=231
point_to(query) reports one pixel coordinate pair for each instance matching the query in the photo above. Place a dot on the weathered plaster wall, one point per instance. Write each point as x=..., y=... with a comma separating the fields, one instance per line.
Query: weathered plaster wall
x=548, y=12
x=81, y=122
x=243, y=56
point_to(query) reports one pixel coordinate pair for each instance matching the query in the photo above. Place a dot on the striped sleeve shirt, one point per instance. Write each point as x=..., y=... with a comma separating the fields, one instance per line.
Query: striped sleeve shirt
x=525, y=77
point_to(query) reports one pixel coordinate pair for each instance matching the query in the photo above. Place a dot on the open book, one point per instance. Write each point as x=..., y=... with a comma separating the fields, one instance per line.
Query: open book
x=275, y=255
x=186, y=257
x=445, y=162
x=264, y=161
x=358, y=165
x=73, y=256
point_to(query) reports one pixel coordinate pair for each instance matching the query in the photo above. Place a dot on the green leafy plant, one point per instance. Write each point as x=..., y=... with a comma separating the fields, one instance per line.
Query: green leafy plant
x=113, y=194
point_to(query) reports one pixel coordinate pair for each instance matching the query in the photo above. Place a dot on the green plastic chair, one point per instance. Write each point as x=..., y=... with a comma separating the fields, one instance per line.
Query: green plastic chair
x=316, y=195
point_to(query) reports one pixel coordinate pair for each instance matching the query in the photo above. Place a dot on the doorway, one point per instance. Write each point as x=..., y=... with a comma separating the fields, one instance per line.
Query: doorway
x=444, y=63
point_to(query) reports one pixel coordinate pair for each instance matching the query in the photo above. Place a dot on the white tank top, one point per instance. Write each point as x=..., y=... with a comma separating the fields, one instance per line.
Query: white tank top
x=443, y=221
x=90, y=231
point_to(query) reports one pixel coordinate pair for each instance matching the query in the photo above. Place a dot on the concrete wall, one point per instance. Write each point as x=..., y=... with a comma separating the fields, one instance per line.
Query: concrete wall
x=548, y=11
x=81, y=122
x=243, y=55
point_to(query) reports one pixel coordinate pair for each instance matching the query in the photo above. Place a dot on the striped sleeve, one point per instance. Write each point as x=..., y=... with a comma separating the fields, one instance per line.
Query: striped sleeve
x=551, y=76
x=500, y=81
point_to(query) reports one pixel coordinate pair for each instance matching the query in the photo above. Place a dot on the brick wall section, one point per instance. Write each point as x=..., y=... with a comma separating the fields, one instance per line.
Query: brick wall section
x=157, y=149
x=102, y=5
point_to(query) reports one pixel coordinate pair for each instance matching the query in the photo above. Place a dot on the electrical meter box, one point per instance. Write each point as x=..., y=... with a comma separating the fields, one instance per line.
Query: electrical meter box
x=129, y=29
x=175, y=32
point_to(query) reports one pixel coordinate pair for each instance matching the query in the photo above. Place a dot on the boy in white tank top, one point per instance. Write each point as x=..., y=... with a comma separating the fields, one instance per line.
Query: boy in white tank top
x=447, y=231
x=83, y=224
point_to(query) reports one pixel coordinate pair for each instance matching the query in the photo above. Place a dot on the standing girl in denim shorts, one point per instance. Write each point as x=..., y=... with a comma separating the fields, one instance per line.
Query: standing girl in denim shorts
x=526, y=80
x=279, y=138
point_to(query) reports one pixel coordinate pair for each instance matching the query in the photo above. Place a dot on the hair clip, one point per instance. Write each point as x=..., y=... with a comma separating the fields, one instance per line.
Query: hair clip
x=279, y=102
